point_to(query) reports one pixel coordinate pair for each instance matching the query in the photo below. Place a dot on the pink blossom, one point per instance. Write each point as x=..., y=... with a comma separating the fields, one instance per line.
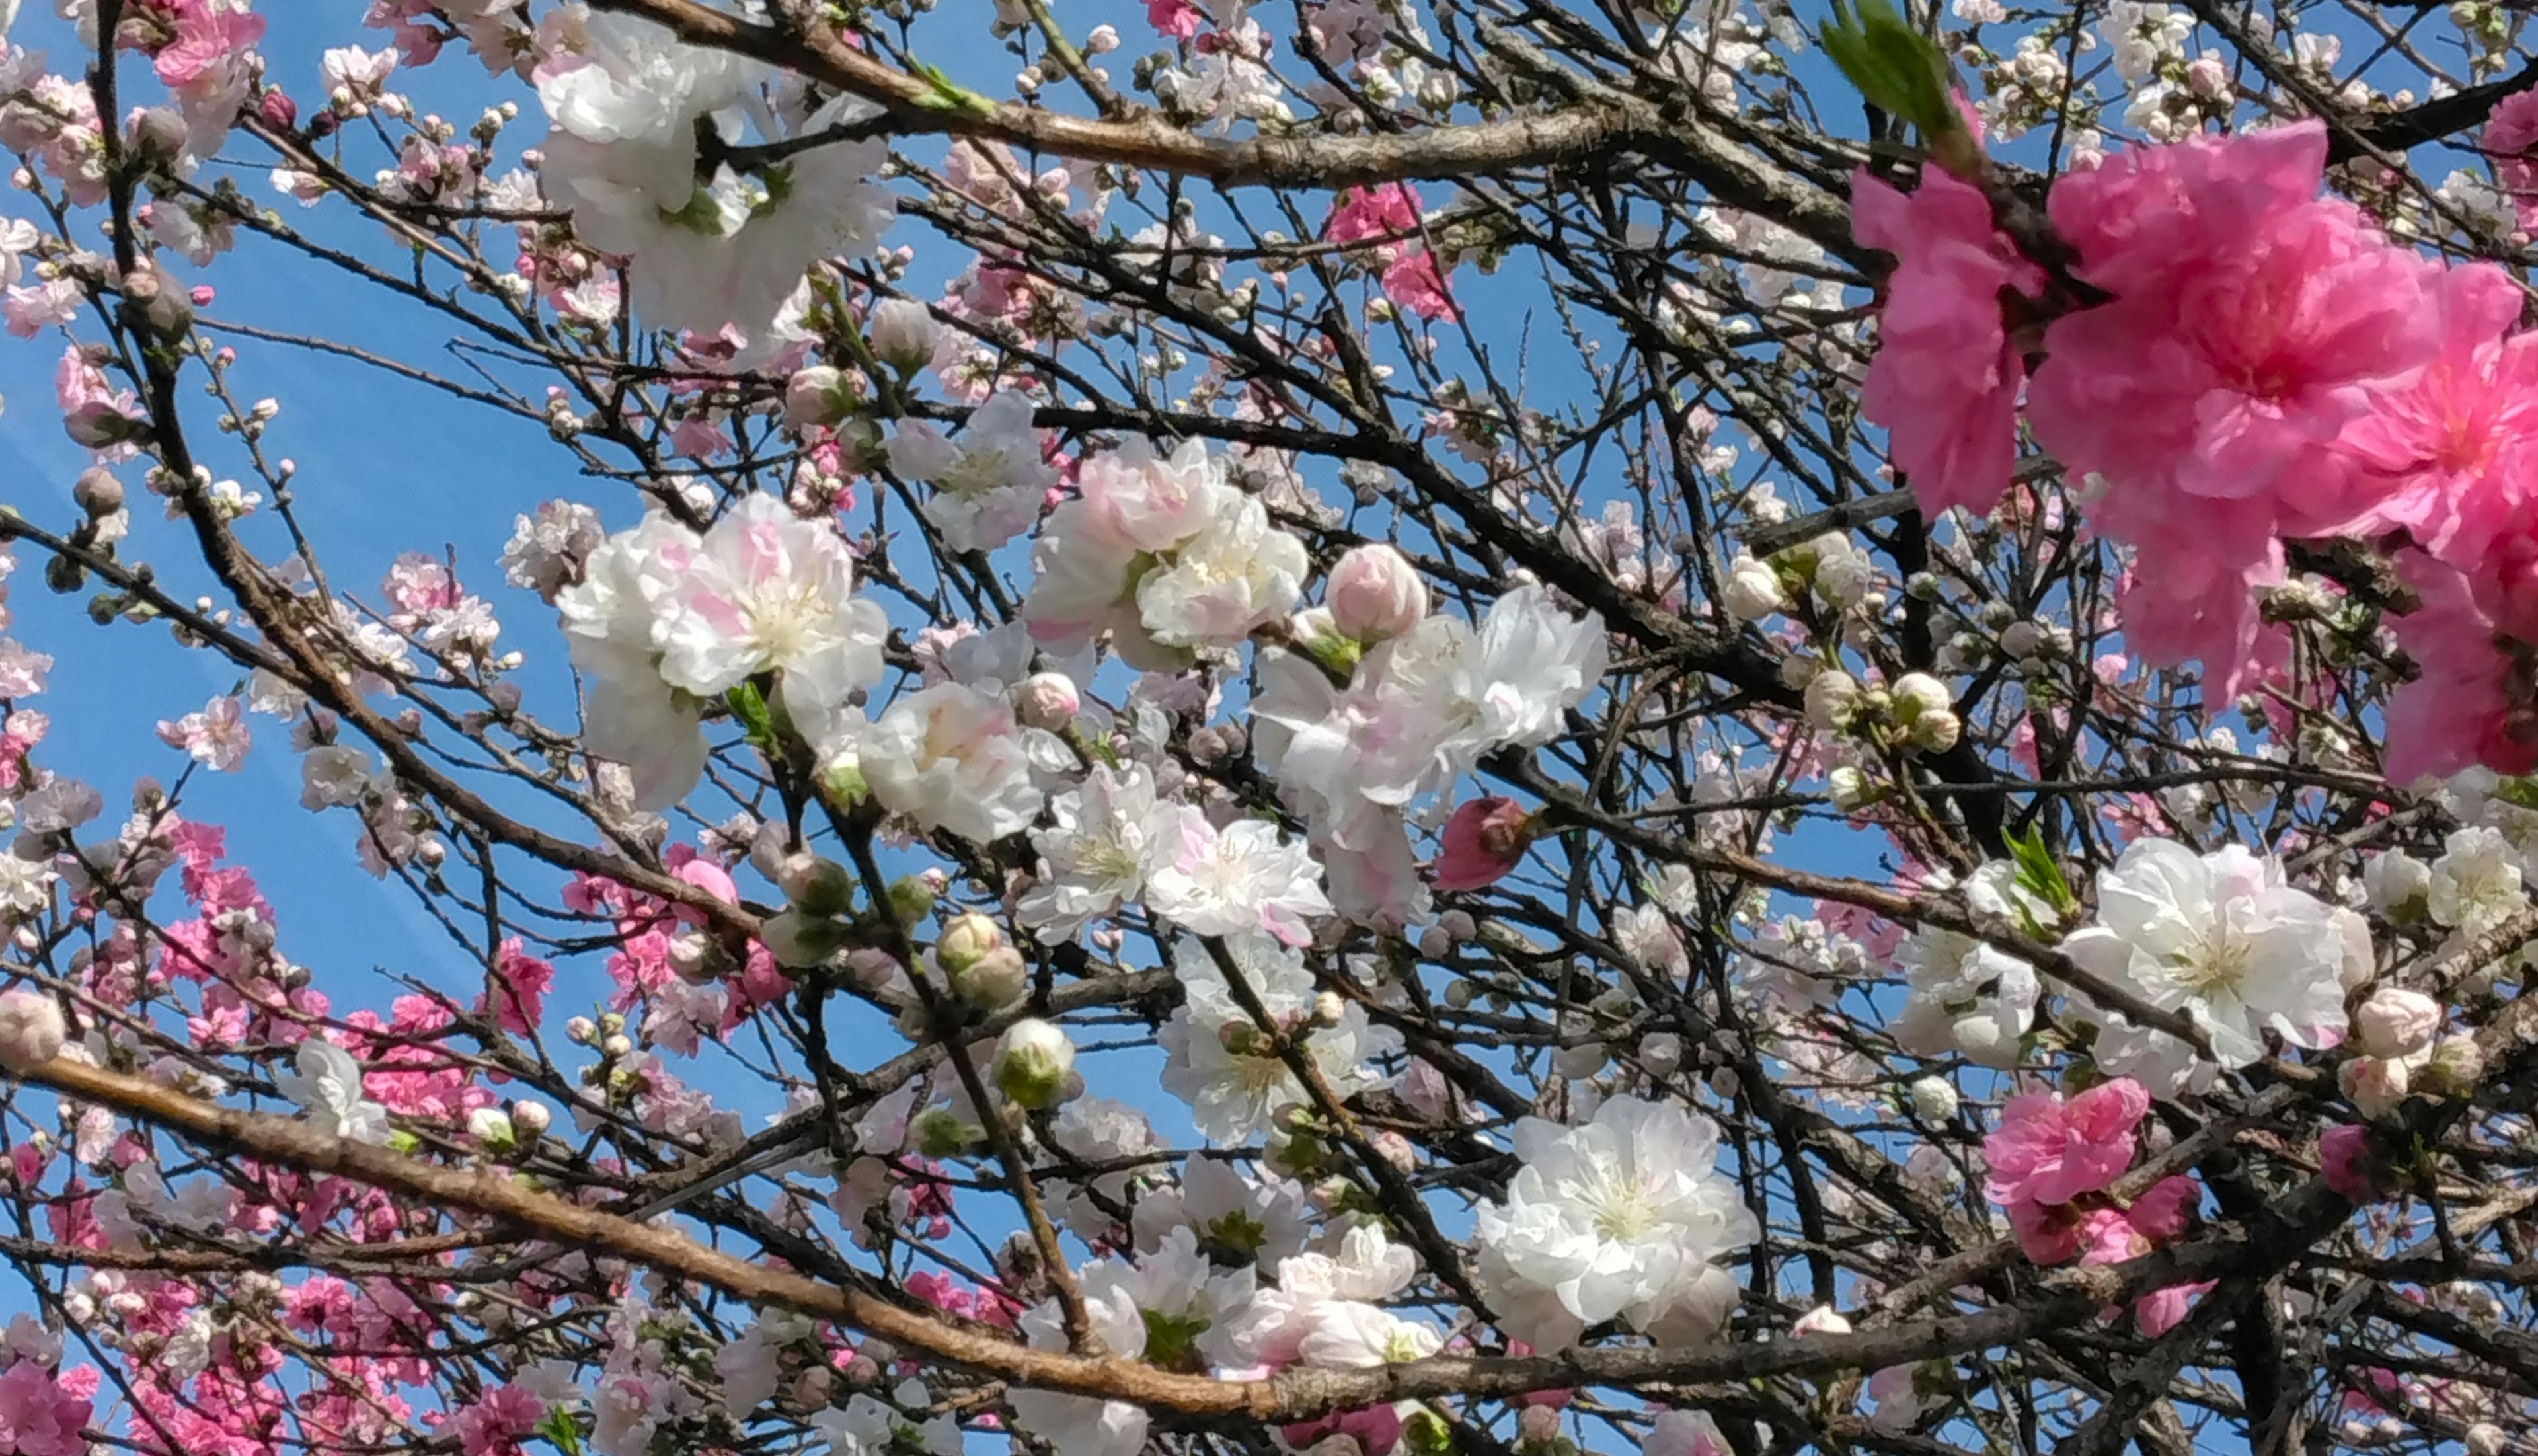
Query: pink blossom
x=2509, y=135
x=2047, y=1150
x=2253, y=323
x=216, y=738
x=2462, y=708
x=516, y=989
x=1946, y=377
x=1178, y=19
x=2345, y=1160
x=205, y=38
x=498, y=1425
x=38, y=1416
x=2162, y=1310
x=1484, y=840
x=1390, y=214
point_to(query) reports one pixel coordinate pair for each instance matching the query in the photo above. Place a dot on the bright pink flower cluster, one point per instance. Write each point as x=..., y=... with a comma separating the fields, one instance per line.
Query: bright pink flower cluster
x=2053, y=1159
x=1391, y=213
x=2256, y=364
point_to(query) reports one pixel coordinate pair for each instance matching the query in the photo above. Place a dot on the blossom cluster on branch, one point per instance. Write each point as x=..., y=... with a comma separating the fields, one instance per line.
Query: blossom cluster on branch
x=1372, y=728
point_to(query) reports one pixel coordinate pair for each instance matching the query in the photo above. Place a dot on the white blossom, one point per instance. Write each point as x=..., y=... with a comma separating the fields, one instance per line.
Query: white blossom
x=1621, y=1218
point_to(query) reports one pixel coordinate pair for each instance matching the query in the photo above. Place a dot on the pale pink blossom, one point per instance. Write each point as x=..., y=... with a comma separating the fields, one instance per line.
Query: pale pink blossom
x=216, y=737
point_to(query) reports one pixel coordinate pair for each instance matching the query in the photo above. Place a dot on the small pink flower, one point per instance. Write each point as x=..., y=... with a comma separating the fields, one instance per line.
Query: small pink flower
x=2511, y=134
x=2162, y=1310
x=1484, y=840
x=2344, y=1159
x=1178, y=19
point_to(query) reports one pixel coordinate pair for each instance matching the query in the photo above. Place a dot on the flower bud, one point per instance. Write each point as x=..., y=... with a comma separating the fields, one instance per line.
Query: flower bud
x=1484, y=839
x=2397, y=1022
x=1915, y=694
x=1853, y=788
x=1661, y=1052
x=531, y=1118
x=815, y=884
x=1539, y=1424
x=31, y=1030
x=2485, y=1438
x=994, y=981
x=1753, y=590
x=817, y=395
x=903, y=334
x=941, y=1134
x=160, y=132
x=2020, y=639
x=1047, y=701
x=1936, y=732
x=1329, y=1009
x=1934, y=1099
x=800, y=941
x=2374, y=1084
x=98, y=492
x=617, y=1044
x=1376, y=594
x=1033, y=1059
x=491, y=1129
x=2456, y=1067
x=582, y=1030
x=1832, y=695
x=966, y=938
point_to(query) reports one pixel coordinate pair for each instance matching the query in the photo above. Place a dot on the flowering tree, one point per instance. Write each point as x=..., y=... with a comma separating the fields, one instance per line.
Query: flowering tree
x=1344, y=727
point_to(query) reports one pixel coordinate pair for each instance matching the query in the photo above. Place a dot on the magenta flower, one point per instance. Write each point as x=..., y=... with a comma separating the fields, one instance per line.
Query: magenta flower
x=1484, y=840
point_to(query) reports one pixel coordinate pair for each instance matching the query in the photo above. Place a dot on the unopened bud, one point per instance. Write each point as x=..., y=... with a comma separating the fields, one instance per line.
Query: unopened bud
x=1376, y=594
x=531, y=1118
x=2457, y=1066
x=1832, y=695
x=1934, y=1099
x=2396, y=1022
x=1047, y=701
x=994, y=981
x=1032, y=1060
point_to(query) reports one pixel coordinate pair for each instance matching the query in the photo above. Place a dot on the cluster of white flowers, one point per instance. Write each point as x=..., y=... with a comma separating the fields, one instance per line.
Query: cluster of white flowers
x=1621, y=1218
x=623, y=158
x=1227, y=1065
x=663, y=621
x=1162, y=555
x=1965, y=998
x=1429, y=696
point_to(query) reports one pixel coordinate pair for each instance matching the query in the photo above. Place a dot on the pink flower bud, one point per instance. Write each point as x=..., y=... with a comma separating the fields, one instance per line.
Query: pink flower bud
x=31, y=1030
x=1047, y=701
x=2374, y=1084
x=2344, y=1159
x=2396, y=1022
x=278, y=109
x=1376, y=594
x=1823, y=1319
x=1484, y=840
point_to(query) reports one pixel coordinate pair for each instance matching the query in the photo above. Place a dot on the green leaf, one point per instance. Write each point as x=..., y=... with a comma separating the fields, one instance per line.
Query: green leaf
x=750, y=707
x=948, y=95
x=1900, y=70
x=2038, y=874
x=560, y=1428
